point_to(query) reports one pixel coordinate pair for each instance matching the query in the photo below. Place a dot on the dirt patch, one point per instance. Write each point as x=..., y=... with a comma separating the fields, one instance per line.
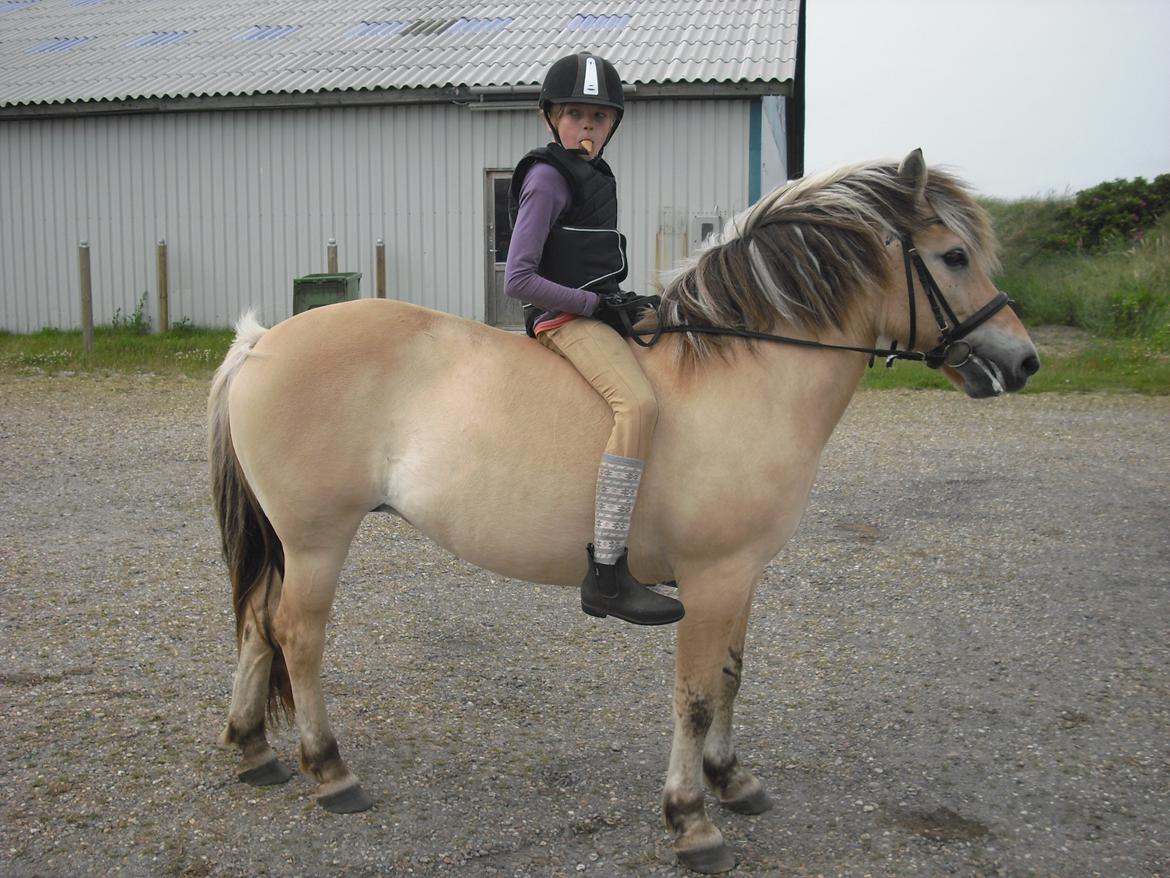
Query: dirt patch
x=959, y=666
x=1060, y=341
x=942, y=824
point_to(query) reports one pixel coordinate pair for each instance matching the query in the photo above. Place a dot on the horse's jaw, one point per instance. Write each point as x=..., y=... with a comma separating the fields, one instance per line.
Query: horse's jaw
x=999, y=363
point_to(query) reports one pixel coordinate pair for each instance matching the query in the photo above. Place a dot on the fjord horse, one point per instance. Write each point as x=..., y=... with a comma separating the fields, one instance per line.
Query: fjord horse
x=488, y=444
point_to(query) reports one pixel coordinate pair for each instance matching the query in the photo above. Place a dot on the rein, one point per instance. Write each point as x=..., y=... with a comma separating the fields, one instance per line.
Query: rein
x=951, y=350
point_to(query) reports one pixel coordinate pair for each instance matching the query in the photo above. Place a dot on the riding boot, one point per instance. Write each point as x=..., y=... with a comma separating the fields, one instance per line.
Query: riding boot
x=611, y=590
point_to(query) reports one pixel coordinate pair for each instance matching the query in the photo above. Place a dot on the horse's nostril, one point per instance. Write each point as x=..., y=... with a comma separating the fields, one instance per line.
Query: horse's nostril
x=1031, y=365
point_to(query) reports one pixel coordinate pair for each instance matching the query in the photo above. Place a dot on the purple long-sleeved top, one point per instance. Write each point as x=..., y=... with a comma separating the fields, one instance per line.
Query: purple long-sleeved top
x=544, y=196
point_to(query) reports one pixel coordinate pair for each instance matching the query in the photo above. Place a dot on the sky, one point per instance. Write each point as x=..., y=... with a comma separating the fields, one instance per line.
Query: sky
x=1021, y=98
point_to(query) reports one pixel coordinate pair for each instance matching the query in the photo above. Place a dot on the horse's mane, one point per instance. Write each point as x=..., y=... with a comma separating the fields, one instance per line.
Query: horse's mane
x=805, y=252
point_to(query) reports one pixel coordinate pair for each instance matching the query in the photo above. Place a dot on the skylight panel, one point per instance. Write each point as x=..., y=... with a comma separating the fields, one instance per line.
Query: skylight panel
x=259, y=33
x=599, y=22
x=14, y=5
x=160, y=38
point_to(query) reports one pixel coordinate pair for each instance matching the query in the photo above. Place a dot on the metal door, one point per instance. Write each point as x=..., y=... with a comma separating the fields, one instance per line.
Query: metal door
x=500, y=310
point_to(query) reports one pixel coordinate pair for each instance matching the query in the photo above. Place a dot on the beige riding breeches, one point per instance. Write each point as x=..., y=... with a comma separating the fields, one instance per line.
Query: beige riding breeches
x=605, y=360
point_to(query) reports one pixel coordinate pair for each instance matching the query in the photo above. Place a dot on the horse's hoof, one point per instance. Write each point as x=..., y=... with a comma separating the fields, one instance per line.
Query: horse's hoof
x=347, y=801
x=707, y=861
x=757, y=803
x=271, y=772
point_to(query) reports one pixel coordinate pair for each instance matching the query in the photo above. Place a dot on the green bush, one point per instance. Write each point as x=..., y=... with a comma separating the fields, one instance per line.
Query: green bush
x=1109, y=214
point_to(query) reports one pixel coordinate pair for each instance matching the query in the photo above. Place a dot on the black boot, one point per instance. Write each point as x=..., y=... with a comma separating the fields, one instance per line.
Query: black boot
x=611, y=590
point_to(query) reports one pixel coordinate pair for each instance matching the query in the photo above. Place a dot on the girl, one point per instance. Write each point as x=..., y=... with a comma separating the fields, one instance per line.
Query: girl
x=566, y=258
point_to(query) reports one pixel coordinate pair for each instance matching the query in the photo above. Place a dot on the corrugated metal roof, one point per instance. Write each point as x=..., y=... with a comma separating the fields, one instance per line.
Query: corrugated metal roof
x=54, y=51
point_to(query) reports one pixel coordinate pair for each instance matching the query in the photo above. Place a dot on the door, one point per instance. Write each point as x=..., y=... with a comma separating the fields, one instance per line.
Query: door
x=500, y=310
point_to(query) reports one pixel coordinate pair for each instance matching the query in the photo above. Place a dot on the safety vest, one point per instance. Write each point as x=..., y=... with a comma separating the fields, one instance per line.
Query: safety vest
x=584, y=249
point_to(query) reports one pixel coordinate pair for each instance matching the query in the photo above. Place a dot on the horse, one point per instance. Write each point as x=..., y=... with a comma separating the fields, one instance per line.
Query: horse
x=488, y=443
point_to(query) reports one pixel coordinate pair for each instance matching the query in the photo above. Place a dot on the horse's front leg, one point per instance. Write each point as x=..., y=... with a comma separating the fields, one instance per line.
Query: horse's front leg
x=737, y=788
x=714, y=605
x=310, y=582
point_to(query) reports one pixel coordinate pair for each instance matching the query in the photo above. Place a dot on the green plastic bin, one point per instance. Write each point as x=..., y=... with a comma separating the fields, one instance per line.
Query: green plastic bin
x=315, y=290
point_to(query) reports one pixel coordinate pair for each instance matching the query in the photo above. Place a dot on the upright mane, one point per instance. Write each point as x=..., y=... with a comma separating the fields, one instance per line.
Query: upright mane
x=803, y=254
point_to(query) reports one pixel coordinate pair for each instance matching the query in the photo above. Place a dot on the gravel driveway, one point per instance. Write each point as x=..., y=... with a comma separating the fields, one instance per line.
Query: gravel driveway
x=960, y=666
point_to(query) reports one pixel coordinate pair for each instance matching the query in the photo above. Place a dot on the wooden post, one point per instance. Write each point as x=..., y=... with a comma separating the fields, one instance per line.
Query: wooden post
x=331, y=255
x=86, y=297
x=380, y=268
x=164, y=304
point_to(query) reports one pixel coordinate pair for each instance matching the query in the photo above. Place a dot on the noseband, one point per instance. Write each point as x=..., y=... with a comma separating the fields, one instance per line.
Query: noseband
x=951, y=350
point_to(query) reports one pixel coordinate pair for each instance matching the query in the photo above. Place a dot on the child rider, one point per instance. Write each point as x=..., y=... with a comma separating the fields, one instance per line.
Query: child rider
x=565, y=258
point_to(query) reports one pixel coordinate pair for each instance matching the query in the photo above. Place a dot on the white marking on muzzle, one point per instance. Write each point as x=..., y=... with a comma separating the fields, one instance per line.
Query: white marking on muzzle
x=992, y=372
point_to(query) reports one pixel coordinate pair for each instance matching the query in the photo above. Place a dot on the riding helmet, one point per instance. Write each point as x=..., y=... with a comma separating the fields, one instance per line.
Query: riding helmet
x=583, y=78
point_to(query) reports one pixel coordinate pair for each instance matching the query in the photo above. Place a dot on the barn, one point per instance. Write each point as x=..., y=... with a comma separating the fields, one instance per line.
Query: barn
x=247, y=136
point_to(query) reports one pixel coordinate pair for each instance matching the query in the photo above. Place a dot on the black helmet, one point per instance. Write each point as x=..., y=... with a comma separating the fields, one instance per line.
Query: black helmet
x=582, y=79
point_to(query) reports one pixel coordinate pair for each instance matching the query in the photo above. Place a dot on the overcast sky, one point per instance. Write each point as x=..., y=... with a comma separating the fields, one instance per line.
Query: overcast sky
x=1020, y=97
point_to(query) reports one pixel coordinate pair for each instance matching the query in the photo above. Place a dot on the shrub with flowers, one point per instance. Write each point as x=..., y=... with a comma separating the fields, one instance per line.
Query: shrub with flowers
x=1120, y=212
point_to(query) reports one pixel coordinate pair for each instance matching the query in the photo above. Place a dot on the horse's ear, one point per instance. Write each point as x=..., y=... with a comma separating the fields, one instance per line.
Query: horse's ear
x=913, y=171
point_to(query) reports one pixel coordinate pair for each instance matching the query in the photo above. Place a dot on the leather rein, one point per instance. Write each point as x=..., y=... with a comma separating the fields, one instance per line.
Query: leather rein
x=951, y=349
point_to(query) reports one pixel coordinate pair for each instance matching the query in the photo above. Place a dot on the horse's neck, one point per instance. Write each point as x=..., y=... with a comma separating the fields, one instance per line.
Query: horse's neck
x=778, y=399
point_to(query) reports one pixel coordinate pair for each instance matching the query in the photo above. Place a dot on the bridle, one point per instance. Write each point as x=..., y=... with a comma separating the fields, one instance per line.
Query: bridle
x=951, y=349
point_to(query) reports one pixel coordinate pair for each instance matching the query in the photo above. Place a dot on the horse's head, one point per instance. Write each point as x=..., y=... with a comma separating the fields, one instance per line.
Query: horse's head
x=812, y=255
x=953, y=309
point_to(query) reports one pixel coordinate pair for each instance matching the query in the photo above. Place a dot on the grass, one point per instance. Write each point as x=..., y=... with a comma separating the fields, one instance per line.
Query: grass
x=184, y=350
x=1101, y=365
x=1122, y=292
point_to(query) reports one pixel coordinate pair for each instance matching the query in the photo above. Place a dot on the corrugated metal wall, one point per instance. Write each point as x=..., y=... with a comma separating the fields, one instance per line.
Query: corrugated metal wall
x=247, y=200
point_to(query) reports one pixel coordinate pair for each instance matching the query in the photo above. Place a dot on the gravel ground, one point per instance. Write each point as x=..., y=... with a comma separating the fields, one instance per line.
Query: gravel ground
x=959, y=667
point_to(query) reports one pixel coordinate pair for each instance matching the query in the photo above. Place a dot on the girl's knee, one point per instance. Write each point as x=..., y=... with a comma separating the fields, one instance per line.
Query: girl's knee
x=643, y=410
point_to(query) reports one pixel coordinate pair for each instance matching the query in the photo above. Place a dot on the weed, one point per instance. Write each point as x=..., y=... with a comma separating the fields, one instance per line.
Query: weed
x=50, y=360
x=137, y=322
x=203, y=355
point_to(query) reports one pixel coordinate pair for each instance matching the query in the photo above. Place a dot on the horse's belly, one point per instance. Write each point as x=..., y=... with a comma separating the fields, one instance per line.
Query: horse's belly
x=495, y=506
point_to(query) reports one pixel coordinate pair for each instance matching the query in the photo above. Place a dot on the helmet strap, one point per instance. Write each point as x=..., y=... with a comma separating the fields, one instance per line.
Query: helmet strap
x=552, y=128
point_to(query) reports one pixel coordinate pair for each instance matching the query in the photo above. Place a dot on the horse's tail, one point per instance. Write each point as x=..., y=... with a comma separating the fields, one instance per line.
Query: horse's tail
x=251, y=548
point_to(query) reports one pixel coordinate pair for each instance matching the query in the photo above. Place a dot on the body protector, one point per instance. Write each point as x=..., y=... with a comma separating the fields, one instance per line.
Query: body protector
x=584, y=249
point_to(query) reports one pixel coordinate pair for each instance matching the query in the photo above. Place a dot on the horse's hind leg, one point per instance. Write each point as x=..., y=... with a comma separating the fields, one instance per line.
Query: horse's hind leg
x=245, y=726
x=737, y=788
x=310, y=582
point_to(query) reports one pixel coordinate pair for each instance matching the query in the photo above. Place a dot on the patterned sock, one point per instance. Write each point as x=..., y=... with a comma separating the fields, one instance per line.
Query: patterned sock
x=617, y=488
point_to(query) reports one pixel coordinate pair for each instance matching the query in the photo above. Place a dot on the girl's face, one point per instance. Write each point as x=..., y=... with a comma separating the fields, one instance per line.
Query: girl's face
x=585, y=122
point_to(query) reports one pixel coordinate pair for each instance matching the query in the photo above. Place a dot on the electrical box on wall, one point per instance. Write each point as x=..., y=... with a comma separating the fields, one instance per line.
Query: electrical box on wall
x=703, y=226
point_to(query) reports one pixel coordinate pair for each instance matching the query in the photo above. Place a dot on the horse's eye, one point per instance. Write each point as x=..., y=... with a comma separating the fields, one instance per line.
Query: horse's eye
x=955, y=258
